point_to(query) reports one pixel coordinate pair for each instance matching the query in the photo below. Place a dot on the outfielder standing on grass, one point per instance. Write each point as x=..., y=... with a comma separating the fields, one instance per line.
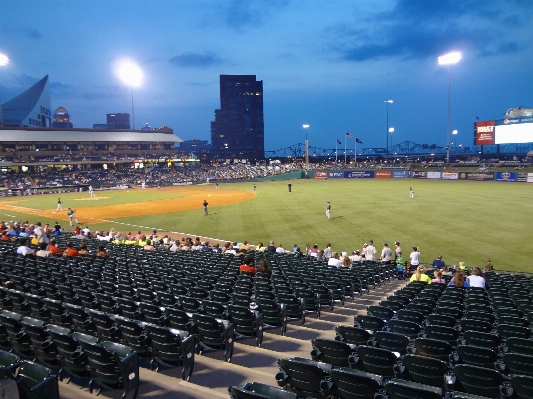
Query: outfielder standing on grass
x=205, y=204
x=71, y=216
x=59, y=205
x=328, y=210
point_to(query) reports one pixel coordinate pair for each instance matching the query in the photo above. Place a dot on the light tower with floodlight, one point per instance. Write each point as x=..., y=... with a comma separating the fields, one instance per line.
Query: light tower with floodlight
x=449, y=59
x=132, y=75
x=3, y=62
x=388, y=102
x=305, y=127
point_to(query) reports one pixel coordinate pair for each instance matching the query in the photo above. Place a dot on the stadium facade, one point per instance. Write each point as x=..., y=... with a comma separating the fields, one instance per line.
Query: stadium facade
x=238, y=131
x=31, y=108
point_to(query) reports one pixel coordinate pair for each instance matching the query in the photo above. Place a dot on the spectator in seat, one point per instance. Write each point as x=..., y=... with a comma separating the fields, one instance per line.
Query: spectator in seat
x=101, y=251
x=70, y=250
x=459, y=280
x=489, y=266
x=437, y=274
x=438, y=262
x=83, y=249
x=335, y=260
x=43, y=251
x=264, y=268
x=24, y=250
x=53, y=248
x=476, y=278
x=280, y=249
x=247, y=265
x=446, y=271
x=271, y=247
x=419, y=275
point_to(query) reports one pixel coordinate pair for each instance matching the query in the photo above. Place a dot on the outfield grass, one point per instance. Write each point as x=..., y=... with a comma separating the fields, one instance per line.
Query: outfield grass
x=462, y=220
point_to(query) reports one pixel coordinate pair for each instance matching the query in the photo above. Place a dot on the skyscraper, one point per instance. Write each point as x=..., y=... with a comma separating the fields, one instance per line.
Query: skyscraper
x=238, y=130
x=119, y=121
x=62, y=119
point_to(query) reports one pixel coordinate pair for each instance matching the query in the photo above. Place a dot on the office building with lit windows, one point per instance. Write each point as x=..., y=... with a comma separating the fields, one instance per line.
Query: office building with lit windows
x=30, y=108
x=62, y=119
x=238, y=129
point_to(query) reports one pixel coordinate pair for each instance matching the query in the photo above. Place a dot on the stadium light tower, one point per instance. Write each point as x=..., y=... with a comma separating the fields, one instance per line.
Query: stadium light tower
x=449, y=59
x=306, y=146
x=388, y=102
x=131, y=75
x=3, y=62
x=391, y=130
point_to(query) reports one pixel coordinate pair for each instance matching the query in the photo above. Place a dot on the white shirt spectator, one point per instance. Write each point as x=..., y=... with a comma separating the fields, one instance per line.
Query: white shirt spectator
x=476, y=281
x=24, y=250
x=280, y=250
x=334, y=262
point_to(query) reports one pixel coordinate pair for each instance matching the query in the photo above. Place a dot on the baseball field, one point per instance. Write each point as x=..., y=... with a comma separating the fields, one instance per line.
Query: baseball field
x=462, y=220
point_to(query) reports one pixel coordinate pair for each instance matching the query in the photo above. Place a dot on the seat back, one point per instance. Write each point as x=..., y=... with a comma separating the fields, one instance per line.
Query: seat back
x=407, y=328
x=331, y=351
x=354, y=384
x=381, y=312
x=392, y=341
x=400, y=389
x=425, y=370
x=302, y=376
x=376, y=360
x=519, y=363
x=477, y=380
x=37, y=381
x=371, y=323
x=433, y=348
x=476, y=356
x=352, y=335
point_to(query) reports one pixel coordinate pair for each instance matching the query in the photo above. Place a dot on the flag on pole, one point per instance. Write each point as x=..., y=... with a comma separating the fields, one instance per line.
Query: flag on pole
x=349, y=135
x=358, y=141
x=338, y=141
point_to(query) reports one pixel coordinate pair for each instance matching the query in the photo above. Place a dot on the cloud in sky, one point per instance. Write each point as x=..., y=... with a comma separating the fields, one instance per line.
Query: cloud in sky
x=196, y=60
x=239, y=14
x=421, y=29
x=33, y=33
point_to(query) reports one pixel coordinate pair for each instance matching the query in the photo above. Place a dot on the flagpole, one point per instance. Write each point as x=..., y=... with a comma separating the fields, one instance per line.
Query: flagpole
x=345, y=136
x=336, y=145
x=354, y=149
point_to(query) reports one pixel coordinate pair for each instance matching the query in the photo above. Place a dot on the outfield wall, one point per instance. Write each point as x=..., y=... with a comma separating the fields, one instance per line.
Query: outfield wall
x=520, y=177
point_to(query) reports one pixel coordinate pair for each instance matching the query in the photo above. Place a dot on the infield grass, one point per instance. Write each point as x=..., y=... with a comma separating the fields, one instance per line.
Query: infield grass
x=462, y=220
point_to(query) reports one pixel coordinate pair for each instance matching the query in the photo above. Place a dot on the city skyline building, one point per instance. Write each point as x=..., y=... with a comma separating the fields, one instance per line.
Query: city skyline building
x=118, y=120
x=238, y=129
x=62, y=119
x=31, y=108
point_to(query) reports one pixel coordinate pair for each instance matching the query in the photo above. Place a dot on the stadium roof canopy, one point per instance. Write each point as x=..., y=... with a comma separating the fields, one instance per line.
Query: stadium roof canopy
x=85, y=135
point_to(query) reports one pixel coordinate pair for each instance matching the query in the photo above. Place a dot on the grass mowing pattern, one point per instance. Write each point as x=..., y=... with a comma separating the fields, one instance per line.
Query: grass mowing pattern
x=462, y=220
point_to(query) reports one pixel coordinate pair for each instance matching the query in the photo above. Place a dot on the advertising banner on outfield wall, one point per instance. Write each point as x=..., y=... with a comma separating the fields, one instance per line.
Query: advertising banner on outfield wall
x=433, y=175
x=450, y=175
x=479, y=176
x=359, y=174
x=530, y=177
x=383, y=174
x=320, y=174
x=335, y=174
x=400, y=174
x=506, y=176
x=419, y=175
x=521, y=177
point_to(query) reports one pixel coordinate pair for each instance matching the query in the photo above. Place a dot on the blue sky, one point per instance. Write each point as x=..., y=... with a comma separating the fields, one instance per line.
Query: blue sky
x=329, y=64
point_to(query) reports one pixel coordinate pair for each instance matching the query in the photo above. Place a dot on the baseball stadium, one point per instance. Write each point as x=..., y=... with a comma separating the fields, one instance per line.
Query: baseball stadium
x=129, y=268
